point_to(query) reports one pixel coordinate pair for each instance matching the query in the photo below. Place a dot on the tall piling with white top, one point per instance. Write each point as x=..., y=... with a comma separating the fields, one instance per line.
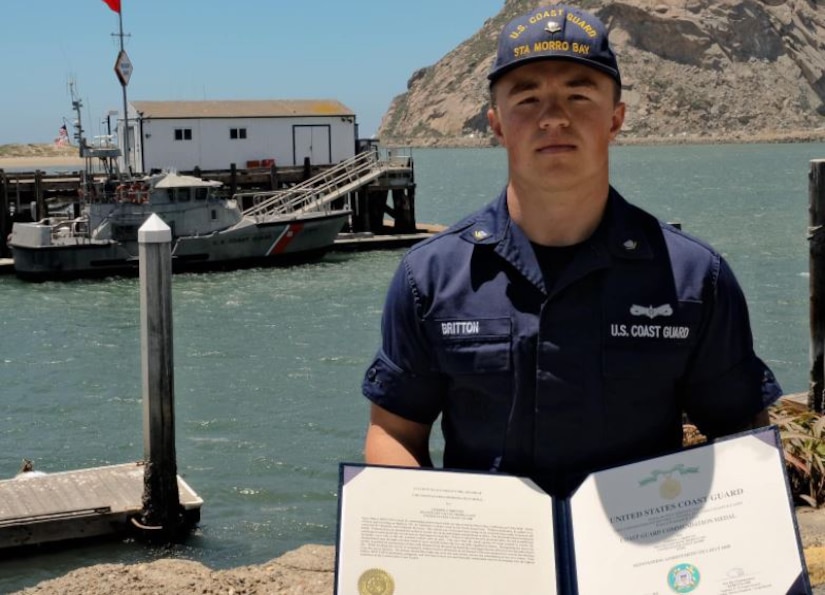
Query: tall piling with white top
x=161, y=500
x=816, y=238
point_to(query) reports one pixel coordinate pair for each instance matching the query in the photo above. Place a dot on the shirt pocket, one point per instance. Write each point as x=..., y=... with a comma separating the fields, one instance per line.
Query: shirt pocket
x=640, y=363
x=641, y=394
x=472, y=347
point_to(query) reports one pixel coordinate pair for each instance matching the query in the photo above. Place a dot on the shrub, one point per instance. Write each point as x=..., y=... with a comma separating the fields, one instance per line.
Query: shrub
x=802, y=433
x=803, y=440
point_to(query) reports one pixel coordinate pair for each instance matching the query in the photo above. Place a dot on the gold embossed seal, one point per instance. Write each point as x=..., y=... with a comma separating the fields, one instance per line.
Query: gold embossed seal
x=670, y=488
x=375, y=582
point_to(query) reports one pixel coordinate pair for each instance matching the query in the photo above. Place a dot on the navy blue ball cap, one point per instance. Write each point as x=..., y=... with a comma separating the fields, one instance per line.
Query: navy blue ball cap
x=557, y=32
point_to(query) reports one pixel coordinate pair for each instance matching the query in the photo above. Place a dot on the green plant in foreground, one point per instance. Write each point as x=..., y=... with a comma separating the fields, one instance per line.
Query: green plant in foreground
x=803, y=440
x=802, y=433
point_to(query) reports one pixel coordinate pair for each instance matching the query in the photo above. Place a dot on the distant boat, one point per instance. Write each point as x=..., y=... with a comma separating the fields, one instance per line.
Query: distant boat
x=209, y=232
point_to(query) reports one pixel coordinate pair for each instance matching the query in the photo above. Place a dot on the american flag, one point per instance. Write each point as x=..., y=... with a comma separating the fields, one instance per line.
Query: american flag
x=62, y=136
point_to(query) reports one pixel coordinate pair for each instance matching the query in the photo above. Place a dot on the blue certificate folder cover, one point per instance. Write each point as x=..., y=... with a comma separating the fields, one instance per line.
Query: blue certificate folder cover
x=589, y=552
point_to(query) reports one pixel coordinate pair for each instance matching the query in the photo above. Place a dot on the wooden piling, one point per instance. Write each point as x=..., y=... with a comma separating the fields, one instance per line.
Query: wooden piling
x=5, y=216
x=360, y=223
x=39, y=197
x=816, y=237
x=233, y=179
x=161, y=500
x=376, y=207
x=273, y=177
x=403, y=210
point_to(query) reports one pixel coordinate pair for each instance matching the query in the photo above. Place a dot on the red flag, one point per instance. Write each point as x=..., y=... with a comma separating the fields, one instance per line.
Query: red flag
x=114, y=5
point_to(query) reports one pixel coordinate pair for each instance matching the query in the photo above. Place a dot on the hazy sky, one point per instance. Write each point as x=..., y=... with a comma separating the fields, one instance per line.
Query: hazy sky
x=360, y=52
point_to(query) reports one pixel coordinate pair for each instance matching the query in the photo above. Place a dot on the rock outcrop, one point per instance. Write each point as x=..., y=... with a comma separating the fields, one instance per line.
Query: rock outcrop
x=692, y=70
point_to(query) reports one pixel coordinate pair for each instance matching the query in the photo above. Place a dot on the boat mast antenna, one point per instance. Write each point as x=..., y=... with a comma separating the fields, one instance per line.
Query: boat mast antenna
x=123, y=69
x=77, y=104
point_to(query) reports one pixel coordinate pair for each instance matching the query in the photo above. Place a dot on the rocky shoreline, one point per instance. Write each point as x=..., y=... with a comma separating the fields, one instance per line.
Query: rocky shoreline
x=46, y=155
x=308, y=570
x=627, y=139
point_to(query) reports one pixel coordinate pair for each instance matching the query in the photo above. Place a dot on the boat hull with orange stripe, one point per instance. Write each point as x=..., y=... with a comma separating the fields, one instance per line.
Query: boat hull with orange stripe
x=208, y=233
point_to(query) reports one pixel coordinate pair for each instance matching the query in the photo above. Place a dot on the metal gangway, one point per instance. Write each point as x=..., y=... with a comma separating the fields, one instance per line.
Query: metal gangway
x=319, y=191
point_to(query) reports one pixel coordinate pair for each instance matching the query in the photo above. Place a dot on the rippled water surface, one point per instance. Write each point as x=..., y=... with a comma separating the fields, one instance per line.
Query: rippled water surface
x=268, y=363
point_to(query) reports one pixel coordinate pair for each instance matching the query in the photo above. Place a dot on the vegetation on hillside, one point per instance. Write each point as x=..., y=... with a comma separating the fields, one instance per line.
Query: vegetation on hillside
x=37, y=150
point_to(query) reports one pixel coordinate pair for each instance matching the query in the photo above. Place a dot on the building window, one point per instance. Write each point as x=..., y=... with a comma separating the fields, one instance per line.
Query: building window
x=183, y=134
x=236, y=133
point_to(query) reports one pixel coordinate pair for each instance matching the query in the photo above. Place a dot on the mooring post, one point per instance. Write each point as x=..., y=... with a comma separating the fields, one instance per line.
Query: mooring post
x=816, y=237
x=273, y=176
x=40, y=200
x=358, y=209
x=233, y=179
x=5, y=215
x=402, y=206
x=161, y=500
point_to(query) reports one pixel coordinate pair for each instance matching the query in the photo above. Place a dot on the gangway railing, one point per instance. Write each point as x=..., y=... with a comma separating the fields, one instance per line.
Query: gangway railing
x=319, y=191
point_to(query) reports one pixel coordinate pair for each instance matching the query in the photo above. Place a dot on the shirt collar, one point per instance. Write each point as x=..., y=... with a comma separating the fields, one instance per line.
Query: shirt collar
x=621, y=234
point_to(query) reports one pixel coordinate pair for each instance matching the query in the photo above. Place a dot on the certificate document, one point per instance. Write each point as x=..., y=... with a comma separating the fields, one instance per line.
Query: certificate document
x=714, y=519
x=442, y=533
x=711, y=520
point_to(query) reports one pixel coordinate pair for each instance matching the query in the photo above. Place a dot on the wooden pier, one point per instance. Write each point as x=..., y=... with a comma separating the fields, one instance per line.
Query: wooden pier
x=355, y=242
x=146, y=499
x=37, y=509
x=29, y=196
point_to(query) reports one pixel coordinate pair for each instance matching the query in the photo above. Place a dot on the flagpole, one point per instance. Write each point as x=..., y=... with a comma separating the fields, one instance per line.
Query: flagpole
x=125, y=143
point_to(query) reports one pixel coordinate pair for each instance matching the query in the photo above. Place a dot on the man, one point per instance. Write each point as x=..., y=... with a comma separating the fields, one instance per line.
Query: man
x=560, y=329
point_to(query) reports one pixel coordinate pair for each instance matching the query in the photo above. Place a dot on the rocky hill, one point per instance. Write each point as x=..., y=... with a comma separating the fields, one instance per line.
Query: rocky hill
x=692, y=70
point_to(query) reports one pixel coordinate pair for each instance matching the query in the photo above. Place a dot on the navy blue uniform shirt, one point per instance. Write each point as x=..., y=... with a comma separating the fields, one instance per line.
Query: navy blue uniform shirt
x=644, y=323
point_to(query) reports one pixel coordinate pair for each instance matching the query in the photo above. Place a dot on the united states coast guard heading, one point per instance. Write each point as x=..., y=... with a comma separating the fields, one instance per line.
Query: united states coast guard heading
x=558, y=32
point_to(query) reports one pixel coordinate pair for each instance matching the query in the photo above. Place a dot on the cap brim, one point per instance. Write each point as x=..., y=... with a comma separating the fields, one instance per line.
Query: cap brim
x=611, y=72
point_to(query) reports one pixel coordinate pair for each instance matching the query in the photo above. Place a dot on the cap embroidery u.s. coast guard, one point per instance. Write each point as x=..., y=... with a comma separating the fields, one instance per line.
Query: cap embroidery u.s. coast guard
x=560, y=32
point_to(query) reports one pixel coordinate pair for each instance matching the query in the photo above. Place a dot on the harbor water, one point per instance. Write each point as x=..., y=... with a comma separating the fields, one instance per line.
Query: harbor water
x=268, y=363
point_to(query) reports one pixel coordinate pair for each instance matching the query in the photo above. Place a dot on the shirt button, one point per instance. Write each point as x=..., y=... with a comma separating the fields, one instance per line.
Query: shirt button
x=371, y=374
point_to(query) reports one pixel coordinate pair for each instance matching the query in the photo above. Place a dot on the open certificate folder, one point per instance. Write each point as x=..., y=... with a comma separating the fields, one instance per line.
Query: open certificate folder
x=715, y=519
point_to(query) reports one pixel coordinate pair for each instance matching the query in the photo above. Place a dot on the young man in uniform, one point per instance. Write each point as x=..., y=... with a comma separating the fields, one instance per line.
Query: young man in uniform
x=560, y=329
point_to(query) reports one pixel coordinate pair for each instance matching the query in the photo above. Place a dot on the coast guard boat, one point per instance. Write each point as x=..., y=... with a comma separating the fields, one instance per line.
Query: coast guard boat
x=209, y=232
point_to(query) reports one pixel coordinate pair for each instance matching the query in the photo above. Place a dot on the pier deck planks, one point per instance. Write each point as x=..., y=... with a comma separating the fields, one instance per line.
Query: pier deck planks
x=76, y=504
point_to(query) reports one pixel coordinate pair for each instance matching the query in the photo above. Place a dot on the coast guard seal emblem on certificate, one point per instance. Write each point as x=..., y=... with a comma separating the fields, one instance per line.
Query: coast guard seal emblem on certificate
x=683, y=578
x=375, y=582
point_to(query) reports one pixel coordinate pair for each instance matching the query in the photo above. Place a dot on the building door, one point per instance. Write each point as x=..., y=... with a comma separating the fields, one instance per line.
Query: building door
x=313, y=142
